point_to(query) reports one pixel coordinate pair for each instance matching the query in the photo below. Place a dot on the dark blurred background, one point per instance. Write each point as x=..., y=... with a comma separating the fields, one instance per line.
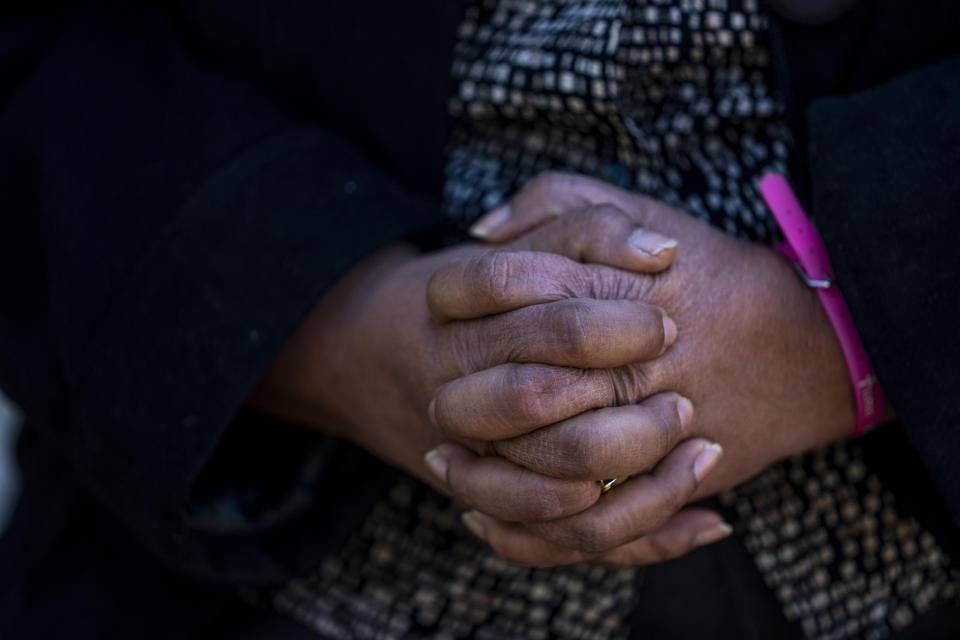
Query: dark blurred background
x=9, y=482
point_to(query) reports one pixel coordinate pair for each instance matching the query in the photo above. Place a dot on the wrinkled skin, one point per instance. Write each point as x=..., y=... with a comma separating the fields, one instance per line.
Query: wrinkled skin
x=755, y=355
x=366, y=361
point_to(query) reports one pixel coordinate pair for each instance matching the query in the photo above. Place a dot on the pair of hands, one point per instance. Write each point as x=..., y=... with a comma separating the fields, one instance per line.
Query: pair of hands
x=569, y=354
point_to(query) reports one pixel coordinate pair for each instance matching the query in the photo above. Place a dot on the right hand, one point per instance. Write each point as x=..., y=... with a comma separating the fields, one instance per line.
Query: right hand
x=756, y=356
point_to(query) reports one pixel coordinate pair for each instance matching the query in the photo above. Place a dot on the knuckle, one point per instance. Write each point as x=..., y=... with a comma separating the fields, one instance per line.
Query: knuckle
x=666, y=428
x=580, y=495
x=452, y=410
x=525, y=393
x=605, y=219
x=615, y=389
x=557, y=501
x=672, y=497
x=630, y=384
x=489, y=277
x=573, y=323
x=594, y=535
x=442, y=409
x=544, y=505
x=650, y=318
x=592, y=229
x=437, y=287
x=467, y=347
x=631, y=286
x=580, y=452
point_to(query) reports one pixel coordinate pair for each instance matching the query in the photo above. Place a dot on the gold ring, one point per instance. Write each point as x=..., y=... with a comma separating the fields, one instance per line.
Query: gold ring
x=606, y=485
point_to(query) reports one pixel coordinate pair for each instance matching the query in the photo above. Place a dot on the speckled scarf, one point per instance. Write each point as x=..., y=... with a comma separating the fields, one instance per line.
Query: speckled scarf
x=674, y=100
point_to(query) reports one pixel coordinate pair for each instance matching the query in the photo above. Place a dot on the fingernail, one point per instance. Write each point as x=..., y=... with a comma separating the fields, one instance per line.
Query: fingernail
x=650, y=242
x=685, y=409
x=437, y=464
x=472, y=522
x=711, y=534
x=669, y=331
x=706, y=460
x=487, y=223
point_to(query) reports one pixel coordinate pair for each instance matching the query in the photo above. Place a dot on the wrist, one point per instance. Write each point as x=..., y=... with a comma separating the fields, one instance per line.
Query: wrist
x=836, y=394
x=817, y=381
x=304, y=384
x=805, y=249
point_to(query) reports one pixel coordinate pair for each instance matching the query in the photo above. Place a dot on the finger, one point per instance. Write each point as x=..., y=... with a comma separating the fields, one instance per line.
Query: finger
x=499, y=281
x=554, y=194
x=614, y=442
x=685, y=531
x=504, y=490
x=548, y=195
x=513, y=399
x=638, y=507
x=581, y=332
x=602, y=234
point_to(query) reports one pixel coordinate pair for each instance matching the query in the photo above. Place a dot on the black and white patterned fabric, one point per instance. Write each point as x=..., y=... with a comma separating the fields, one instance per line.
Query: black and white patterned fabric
x=669, y=99
x=674, y=100
x=413, y=571
x=829, y=540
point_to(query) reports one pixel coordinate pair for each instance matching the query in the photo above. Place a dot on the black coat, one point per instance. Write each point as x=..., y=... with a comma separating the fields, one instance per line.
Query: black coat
x=179, y=184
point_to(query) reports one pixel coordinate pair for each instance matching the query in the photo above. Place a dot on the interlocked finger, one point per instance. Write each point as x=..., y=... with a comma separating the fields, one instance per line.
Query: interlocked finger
x=602, y=234
x=502, y=489
x=498, y=281
x=638, y=507
x=578, y=332
x=685, y=531
x=550, y=194
x=614, y=442
x=493, y=282
x=512, y=399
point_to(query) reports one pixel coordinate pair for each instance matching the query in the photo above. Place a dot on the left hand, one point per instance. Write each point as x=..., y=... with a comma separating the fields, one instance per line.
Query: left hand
x=755, y=354
x=366, y=360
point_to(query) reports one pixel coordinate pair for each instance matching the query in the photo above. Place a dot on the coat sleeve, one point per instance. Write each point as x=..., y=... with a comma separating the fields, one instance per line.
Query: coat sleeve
x=165, y=226
x=886, y=197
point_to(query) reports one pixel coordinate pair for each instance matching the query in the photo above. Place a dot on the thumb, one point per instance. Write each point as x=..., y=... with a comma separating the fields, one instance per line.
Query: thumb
x=601, y=234
x=548, y=195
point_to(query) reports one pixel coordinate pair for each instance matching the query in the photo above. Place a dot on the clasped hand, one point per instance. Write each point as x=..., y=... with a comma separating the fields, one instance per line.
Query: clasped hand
x=610, y=336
